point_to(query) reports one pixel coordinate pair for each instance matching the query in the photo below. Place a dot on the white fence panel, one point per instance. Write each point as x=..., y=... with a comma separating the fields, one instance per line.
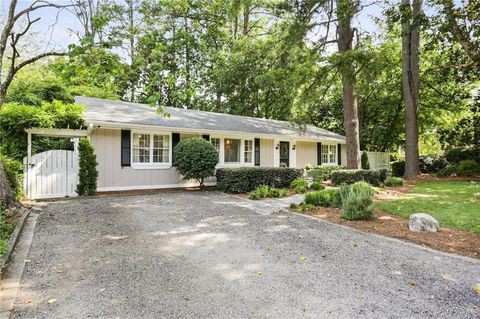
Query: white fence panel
x=51, y=174
x=379, y=160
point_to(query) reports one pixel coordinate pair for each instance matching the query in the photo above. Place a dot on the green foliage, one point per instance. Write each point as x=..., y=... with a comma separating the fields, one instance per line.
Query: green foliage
x=305, y=207
x=317, y=186
x=7, y=226
x=246, y=179
x=342, y=193
x=14, y=171
x=325, y=198
x=264, y=191
x=432, y=164
x=364, y=160
x=293, y=206
x=457, y=155
x=398, y=168
x=87, y=169
x=353, y=176
x=323, y=172
x=15, y=118
x=463, y=168
x=299, y=185
x=394, y=181
x=195, y=158
x=358, y=204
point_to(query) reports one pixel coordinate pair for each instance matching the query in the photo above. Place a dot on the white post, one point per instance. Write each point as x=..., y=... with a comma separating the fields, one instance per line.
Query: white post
x=276, y=153
x=293, y=154
x=29, y=155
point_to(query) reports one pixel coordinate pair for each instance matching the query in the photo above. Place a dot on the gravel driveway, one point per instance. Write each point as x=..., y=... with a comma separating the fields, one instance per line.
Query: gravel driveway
x=199, y=255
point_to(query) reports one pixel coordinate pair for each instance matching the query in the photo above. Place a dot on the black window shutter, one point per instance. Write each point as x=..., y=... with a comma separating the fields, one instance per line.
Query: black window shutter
x=175, y=141
x=319, y=153
x=206, y=137
x=257, y=152
x=125, y=148
x=339, y=152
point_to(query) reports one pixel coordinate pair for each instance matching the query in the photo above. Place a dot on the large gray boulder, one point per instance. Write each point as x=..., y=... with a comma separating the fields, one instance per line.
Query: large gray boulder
x=423, y=222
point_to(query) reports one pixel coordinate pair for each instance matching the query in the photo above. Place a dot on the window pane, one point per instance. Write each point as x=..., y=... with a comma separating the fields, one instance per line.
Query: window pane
x=248, y=157
x=161, y=148
x=333, y=153
x=232, y=151
x=216, y=144
x=324, y=153
x=141, y=148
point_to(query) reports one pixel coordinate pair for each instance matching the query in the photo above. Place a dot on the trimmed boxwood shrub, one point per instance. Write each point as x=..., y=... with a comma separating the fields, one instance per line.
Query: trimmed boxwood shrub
x=195, y=158
x=398, y=168
x=394, y=181
x=364, y=160
x=353, y=176
x=323, y=173
x=325, y=198
x=246, y=179
x=464, y=168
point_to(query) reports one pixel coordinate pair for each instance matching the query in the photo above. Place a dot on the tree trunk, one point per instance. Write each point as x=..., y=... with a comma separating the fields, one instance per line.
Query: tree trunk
x=6, y=194
x=347, y=70
x=410, y=84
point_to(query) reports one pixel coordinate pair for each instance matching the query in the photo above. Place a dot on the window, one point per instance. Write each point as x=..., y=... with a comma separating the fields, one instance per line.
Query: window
x=150, y=148
x=329, y=154
x=232, y=150
x=141, y=148
x=216, y=143
x=161, y=148
x=248, y=152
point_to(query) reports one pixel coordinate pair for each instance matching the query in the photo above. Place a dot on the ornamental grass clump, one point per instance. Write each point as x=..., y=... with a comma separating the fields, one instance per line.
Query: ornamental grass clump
x=325, y=198
x=357, y=204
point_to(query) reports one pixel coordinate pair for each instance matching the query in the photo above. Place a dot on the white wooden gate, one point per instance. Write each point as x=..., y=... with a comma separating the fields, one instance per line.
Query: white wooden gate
x=51, y=174
x=378, y=160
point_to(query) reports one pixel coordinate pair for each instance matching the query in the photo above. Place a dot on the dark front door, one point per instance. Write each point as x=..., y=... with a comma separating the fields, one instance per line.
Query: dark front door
x=284, y=154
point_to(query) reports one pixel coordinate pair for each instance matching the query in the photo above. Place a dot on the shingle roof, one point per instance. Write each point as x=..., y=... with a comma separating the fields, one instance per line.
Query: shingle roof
x=100, y=111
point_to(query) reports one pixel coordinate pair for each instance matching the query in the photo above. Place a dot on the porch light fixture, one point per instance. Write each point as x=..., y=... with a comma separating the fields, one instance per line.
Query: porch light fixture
x=294, y=147
x=277, y=146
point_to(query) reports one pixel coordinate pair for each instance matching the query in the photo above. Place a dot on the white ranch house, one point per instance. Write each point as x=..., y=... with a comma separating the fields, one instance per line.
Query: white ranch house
x=134, y=144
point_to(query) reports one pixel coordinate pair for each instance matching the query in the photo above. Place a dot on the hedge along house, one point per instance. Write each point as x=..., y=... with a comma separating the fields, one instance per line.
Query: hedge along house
x=134, y=143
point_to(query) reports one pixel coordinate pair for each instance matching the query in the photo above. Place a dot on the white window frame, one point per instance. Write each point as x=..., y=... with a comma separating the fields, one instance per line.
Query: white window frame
x=252, y=151
x=221, y=154
x=151, y=164
x=329, y=153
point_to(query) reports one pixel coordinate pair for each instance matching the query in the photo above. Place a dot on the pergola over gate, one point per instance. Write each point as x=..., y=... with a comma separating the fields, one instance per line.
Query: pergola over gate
x=53, y=173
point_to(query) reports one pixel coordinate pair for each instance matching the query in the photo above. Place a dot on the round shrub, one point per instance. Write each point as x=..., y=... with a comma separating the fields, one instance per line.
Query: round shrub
x=468, y=168
x=325, y=198
x=394, y=181
x=299, y=182
x=456, y=155
x=195, y=158
x=317, y=186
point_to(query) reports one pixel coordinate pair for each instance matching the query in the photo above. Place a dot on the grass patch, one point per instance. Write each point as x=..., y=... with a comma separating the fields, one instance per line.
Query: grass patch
x=453, y=204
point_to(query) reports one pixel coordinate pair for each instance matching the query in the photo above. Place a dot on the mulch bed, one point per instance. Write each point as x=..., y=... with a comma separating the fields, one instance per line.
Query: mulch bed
x=446, y=239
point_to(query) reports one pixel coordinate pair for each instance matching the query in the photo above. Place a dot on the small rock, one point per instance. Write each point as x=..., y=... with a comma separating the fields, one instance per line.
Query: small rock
x=423, y=222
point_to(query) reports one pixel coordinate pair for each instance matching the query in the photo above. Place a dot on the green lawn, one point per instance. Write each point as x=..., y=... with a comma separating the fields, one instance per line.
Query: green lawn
x=452, y=203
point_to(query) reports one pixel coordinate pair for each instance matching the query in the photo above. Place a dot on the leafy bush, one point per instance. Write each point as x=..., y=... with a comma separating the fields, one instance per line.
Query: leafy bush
x=457, y=155
x=394, y=181
x=364, y=160
x=358, y=204
x=14, y=171
x=195, y=158
x=325, y=198
x=342, y=193
x=246, y=179
x=384, y=173
x=317, y=186
x=7, y=226
x=293, y=205
x=432, y=164
x=353, y=176
x=299, y=185
x=15, y=118
x=398, y=168
x=323, y=173
x=87, y=169
x=463, y=168
x=264, y=191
